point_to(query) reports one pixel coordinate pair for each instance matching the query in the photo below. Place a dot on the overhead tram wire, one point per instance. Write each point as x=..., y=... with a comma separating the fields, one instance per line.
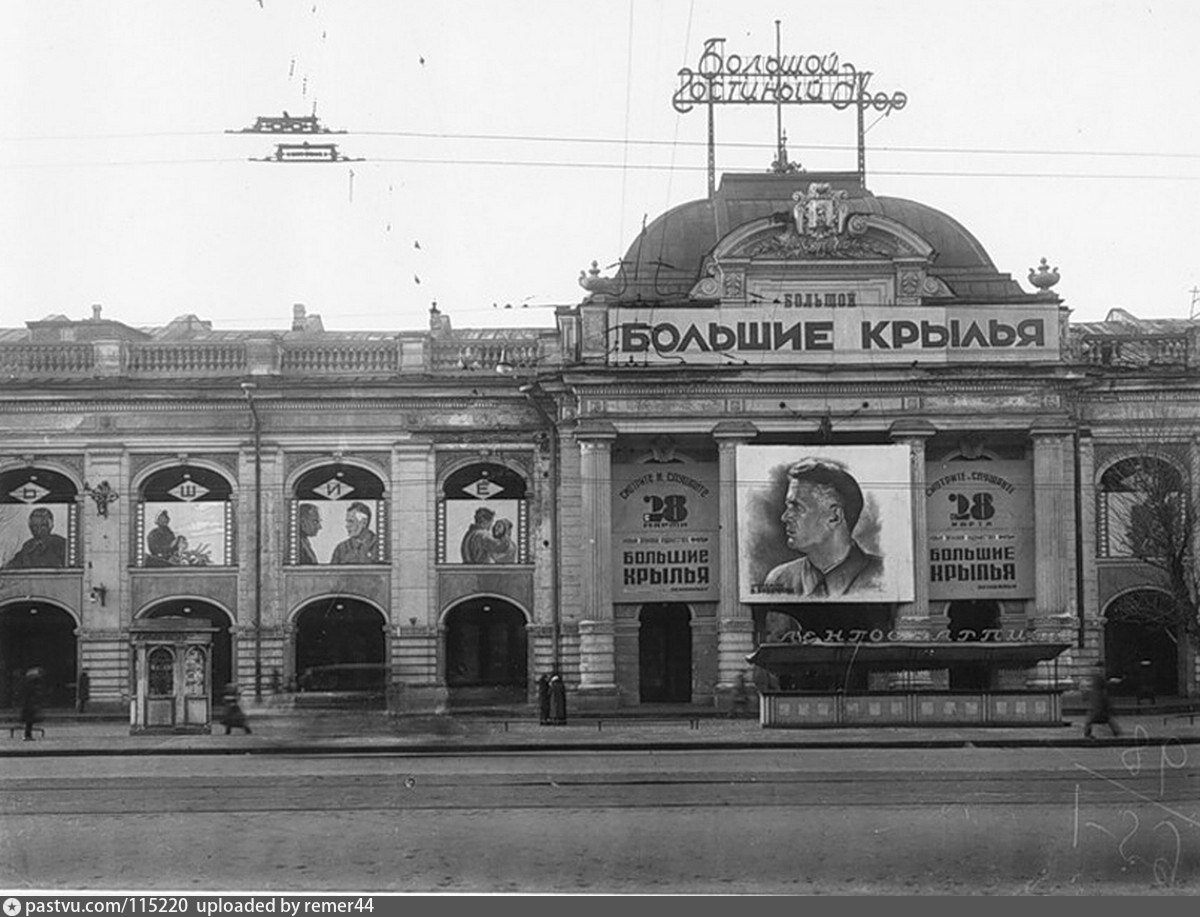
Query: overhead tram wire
x=545, y=138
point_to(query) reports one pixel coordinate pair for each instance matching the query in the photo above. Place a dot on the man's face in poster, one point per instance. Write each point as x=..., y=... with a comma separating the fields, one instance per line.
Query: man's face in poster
x=310, y=520
x=355, y=522
x=40, y=523
x=809, y=516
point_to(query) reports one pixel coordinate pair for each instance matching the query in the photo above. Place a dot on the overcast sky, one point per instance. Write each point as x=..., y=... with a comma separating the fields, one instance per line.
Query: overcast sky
x=508, y=144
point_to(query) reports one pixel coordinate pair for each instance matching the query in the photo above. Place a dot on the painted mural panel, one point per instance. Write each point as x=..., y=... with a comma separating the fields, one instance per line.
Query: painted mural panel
x=824, y=524
x=38, y=520
x=338, y=516
x=185, y=519
x=979, y=516
x=665, y=517
x=483, y=516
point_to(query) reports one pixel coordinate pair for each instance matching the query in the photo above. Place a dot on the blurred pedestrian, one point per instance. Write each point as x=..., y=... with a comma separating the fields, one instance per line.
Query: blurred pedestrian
x=232, y=714
x=543, y=694
x=1145, y=682
x=558, y=701
x=31, y=701
x=83, y=691
x=1099, y=705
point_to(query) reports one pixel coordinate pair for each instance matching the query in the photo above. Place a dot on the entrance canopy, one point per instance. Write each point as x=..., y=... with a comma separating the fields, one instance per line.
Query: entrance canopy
x=788, y=658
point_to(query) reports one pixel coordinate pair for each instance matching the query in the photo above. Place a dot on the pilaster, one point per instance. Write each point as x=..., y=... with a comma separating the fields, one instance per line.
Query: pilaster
x=597, y=646
x=735, y=624
x=914, y=615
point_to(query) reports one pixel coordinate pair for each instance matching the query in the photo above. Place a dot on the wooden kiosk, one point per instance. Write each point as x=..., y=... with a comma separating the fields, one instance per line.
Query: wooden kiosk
x=172, y=676
x=905, y=706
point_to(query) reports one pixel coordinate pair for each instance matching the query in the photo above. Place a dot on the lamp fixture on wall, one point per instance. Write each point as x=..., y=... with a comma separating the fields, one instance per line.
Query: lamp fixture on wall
x=99, y=594
x=103, y=494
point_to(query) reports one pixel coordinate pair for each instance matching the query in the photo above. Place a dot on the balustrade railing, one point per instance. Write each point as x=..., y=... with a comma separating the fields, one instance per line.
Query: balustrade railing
x=190, y=359
x=358, y=358
x=56, y=360
x=1136, y=350
x=456, y=356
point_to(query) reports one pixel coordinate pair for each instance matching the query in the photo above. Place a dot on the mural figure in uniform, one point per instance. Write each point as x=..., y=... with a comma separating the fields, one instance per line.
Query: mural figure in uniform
x=361, y=546
x=309, y=521
x=822, y=507
x=44, y=549
x=160, y=543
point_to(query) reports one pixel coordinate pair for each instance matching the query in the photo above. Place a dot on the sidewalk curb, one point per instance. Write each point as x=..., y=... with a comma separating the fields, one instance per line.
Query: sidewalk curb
x=479, y=748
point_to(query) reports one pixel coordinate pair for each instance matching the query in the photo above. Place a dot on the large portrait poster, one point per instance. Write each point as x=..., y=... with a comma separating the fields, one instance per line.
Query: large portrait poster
x=338, y=516
x=38, y=520
x=824, y=524
x=483, y=517
x=664, y=521
x=980, y=522
x=185, y=519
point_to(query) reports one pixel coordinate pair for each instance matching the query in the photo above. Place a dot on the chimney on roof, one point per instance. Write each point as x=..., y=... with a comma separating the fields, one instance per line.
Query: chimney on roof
x=95, y=311
x=298, y=317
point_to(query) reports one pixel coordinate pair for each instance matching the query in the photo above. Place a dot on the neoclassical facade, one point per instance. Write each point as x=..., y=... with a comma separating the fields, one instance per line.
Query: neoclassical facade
x=637, y=497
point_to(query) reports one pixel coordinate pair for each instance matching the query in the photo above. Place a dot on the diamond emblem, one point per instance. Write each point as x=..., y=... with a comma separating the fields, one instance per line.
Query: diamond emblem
x=29, y=492
x=188, y=491
x=333, y=489
x=484, y=489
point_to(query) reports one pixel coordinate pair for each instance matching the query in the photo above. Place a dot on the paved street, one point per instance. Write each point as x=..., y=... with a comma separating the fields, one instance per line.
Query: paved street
x=1039, y=820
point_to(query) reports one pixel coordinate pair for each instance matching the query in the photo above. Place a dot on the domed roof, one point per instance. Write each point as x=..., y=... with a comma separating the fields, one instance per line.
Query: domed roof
x=666, y=259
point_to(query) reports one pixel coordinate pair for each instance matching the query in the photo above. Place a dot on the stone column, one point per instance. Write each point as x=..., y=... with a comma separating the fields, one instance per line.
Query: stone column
x=1054, y=540
x=105, y=526
x=912, y=618
x=735, y=623
x=914, y=615
x=1089, y=614
x=597, y=644
x=414, y=625
x=1191, y=667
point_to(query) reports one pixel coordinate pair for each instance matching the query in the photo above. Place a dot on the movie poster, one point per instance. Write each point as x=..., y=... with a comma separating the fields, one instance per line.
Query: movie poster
x=665, y=519
x=824, y=524
x=483, y=517
x=979, y=516
x=38, y=520
x=338, y=516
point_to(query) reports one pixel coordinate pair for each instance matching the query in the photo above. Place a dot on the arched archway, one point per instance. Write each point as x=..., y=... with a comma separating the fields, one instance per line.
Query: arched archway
x=969, y=618
x=341, y=646
x=37, y=634
x=1137, y=628
x=487, y=651
x=223, y=668
x=665, y=653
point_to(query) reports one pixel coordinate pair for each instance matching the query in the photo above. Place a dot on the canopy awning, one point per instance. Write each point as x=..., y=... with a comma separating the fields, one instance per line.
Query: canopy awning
x=786, y=657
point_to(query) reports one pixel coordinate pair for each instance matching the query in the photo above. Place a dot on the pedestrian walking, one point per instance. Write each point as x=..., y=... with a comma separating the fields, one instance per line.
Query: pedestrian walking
x=543, y=695
x=83, y=691
x=1145, y=682
x=558, y=701
x=31, y=701
x=1099, y=705
x=232, y=714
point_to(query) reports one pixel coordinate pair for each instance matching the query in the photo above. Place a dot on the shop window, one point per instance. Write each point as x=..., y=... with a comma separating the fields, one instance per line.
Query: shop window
x=1141, y=508
x=185, y=519
x=39, y=520
x=338, y=515
x=483, y=516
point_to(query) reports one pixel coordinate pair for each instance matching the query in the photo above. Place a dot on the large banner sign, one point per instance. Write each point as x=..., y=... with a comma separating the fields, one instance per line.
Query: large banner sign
x=664, y=523
x=795, y=330
x=824, y=524
x=981, y=536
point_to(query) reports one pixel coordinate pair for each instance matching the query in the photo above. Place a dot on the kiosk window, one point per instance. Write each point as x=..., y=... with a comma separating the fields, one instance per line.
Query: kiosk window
x=162, y=672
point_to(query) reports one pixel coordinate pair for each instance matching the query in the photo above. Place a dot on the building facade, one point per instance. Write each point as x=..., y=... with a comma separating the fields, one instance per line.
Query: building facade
x=636, y=497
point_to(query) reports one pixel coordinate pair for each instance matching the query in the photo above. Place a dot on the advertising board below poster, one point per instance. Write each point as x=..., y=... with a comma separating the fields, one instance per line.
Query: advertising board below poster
x=980, y=523
x=664, y=522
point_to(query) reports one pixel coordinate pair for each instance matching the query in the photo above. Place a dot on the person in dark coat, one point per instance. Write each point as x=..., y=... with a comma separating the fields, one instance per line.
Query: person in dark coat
x=83, y=691
x=558, y=701
x=543, y=693
x=31, y=701
x=1099, y=705
x=232, y=715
